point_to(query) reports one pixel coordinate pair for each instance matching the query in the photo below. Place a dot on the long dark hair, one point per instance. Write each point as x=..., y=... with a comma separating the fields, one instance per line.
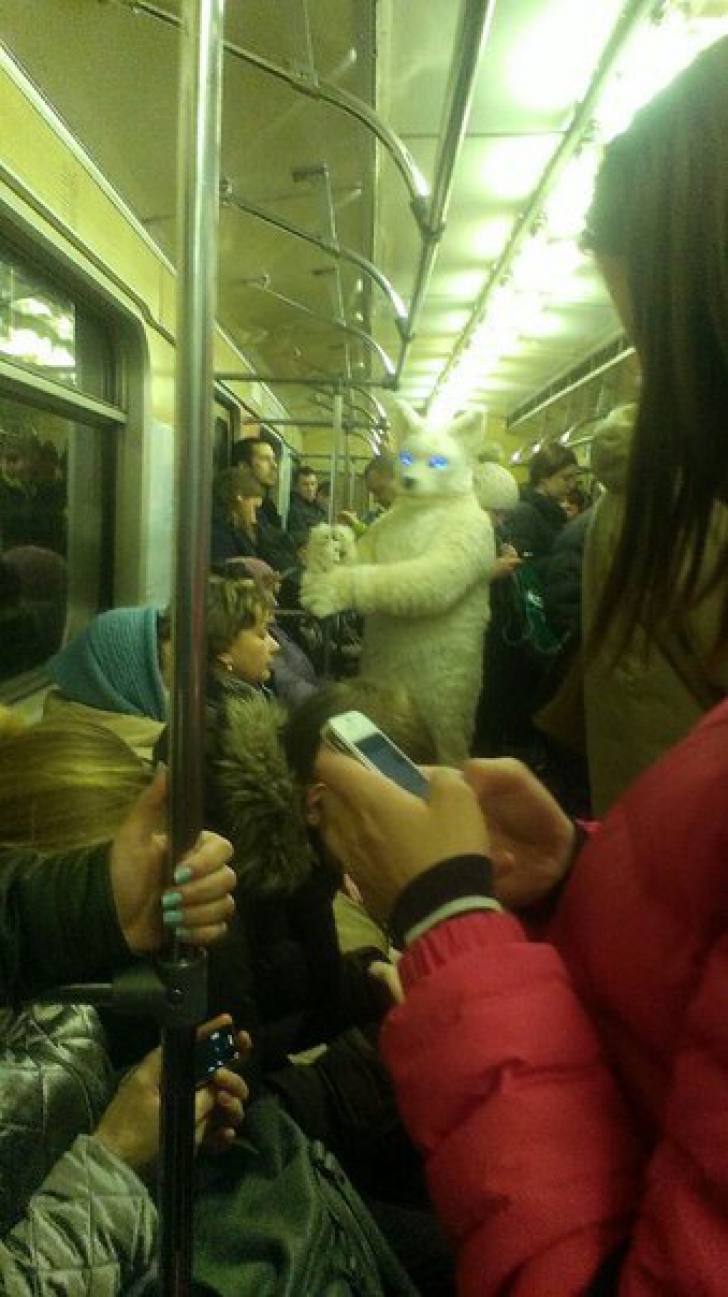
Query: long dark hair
x=661, y=207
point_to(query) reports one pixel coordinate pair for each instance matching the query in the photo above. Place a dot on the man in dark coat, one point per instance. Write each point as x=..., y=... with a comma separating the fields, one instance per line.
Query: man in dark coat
x=304, y=511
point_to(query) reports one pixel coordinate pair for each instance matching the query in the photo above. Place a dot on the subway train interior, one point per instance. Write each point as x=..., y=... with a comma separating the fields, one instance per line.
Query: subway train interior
x=358, y=235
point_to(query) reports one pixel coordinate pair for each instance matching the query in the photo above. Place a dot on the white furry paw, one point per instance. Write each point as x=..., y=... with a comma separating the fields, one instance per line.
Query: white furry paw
x=321, y=593
x=322, y=549
x=346, y=540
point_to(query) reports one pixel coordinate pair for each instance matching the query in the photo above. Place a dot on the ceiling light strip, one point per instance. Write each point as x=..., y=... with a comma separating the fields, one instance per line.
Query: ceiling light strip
x=630, y=17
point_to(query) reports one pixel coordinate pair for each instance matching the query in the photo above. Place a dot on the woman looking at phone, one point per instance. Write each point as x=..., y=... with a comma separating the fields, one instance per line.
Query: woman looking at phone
x=569, y=1093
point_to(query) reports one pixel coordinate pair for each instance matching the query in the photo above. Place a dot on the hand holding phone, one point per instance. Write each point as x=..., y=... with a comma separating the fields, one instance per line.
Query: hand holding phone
x=217, y=1050
x=356, y=736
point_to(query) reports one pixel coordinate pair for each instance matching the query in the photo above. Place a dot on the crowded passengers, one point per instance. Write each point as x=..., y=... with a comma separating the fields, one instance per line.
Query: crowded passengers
x=523, y=1009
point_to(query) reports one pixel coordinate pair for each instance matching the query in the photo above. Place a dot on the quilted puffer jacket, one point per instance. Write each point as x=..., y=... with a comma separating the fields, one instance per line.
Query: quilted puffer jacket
x=74, y=1218
x=569, y=1094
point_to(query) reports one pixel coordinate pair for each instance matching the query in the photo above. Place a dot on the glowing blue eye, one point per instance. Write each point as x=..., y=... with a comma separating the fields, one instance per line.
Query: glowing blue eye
x=405, y=458
x=437, y=461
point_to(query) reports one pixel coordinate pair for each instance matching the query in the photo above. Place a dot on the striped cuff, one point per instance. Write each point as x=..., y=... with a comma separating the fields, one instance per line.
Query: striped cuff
x=446, y=891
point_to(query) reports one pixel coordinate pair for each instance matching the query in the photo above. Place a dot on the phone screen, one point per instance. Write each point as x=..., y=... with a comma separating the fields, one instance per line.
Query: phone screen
x=377, y=749
x=217, y=1050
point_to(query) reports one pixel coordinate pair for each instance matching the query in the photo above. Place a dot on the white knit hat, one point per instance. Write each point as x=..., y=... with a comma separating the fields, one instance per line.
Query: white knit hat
x=495, y=487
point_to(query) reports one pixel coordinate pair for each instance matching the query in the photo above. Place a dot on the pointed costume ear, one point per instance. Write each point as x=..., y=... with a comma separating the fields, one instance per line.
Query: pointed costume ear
x=469, y=429
x=409, y=421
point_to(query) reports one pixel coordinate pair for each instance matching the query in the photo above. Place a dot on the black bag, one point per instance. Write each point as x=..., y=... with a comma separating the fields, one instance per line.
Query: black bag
x=275, y=1216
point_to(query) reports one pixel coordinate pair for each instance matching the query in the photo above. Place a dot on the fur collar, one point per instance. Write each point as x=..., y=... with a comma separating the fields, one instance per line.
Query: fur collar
x=259, y=802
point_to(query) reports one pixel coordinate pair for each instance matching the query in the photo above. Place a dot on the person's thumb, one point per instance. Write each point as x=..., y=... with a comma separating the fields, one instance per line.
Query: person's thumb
x=451, y=798
x=144, y=814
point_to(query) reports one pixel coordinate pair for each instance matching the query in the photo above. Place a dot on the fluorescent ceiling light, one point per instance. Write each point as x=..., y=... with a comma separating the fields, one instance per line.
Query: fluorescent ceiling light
x=489, y=238
x=555, y=55
x=514, y=166
x=653, y=58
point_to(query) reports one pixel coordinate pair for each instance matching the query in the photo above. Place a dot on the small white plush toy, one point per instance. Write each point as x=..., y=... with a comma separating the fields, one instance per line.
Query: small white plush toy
x=420, y=577
x=328, y=546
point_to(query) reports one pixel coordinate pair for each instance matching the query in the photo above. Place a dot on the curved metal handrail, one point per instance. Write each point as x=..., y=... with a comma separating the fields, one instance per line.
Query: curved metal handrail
x=315, y=88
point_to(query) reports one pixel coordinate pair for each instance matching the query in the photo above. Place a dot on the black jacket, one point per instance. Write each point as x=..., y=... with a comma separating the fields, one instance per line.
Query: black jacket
x=302, y=516
x=57, y=921
x=534, y=525
x=228, y=541
x=561, y=577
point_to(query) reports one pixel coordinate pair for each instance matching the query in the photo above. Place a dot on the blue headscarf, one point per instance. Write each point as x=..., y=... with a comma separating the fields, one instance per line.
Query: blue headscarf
x=113, y=664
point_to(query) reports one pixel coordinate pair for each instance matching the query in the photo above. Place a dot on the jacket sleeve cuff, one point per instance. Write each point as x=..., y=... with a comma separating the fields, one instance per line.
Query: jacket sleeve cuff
x=84, y=938
x=461, y=885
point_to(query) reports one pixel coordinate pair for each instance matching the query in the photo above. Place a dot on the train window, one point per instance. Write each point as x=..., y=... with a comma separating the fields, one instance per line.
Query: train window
x=43, y=329
x=56, y=531
x=58, y=452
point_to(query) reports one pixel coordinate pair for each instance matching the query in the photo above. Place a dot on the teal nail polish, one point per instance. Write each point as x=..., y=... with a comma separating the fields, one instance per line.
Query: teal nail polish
x=182, y=874
x=172, y=918
x=171, y=900
x=184, y=934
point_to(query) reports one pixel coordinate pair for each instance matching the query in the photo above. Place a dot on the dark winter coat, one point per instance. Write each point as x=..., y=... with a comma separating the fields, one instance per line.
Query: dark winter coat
x=561, y=577
x=305, y=991
x=57, y=921
x=302, y=516
x=228, y=542
x=535, y=524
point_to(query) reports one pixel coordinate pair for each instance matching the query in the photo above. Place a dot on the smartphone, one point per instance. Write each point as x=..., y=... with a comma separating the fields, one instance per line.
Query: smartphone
x=355, y=735
x=216, y=1051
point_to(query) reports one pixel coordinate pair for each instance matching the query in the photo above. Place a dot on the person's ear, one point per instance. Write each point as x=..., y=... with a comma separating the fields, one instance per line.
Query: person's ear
x=312, y=803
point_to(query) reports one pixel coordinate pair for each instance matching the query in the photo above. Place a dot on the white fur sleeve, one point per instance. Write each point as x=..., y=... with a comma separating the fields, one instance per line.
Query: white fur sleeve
x=430, y=583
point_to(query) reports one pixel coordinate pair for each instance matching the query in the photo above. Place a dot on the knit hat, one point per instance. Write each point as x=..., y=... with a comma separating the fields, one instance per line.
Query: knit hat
x=113, y=664
x=611, y=446
x=495, y=487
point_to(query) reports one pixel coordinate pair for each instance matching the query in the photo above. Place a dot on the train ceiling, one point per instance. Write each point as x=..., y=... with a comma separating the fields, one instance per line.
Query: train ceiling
x=508, y=302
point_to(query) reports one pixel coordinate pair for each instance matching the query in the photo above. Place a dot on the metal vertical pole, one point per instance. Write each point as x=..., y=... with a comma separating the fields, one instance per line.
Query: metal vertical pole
x=336, y=432
x=198, y=196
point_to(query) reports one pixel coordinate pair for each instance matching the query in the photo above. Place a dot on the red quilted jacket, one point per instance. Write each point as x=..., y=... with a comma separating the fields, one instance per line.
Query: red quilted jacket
x=572, y=1094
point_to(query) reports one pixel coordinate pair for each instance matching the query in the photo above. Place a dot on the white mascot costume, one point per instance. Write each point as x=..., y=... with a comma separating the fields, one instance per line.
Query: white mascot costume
x=420, y=576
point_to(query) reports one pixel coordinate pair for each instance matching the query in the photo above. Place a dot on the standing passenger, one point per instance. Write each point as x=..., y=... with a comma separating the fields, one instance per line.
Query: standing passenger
x=537, y=520
x=579, y=1144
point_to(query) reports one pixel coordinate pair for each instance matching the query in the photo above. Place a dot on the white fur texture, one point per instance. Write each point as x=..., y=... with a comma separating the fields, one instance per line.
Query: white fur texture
x=495, y=487
x=421, y=579
x=328, y=546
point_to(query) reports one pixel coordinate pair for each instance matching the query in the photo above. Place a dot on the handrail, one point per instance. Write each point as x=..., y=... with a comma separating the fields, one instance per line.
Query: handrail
x=475, y=24
x=316, y=88
x=337, y=250
x=343, y=325
x=200, y=111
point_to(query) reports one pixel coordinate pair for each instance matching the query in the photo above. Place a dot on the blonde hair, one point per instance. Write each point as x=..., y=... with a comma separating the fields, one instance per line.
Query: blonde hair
x=10, y=723
x=65, y=785
x=233, y=606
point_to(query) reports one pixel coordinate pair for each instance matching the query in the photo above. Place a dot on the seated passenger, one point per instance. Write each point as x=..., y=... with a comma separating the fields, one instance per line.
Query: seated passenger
x=240, y=647
x=293, y=678
x=304, y=990
x=273, y=544
x=304, y=511
x=236, y=500
x=112, y=672
x=87, y=1213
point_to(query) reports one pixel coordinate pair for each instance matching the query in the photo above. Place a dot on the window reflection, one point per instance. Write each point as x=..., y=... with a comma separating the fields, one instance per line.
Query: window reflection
x=37, y=323
x=33, y=536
